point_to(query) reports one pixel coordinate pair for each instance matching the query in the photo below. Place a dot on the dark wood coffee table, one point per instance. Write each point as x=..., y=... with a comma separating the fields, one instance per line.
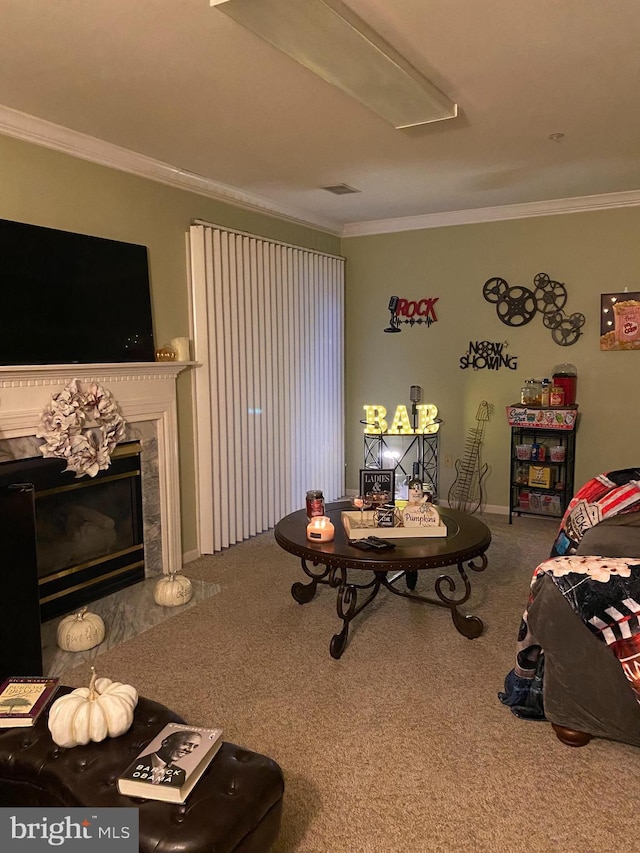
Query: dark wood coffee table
x=467, y=539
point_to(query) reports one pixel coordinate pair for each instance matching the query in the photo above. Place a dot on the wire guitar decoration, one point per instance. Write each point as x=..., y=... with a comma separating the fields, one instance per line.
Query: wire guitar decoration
x=467, y=490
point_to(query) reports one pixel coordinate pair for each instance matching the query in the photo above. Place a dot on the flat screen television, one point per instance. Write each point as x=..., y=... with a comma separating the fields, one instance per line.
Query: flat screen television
x=71, y=298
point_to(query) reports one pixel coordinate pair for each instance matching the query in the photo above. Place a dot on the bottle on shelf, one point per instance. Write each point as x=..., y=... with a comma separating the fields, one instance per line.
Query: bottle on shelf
x=556, y=395
x=531, y=393
x=538, y=452
x=545, y=398
x=525, y=393
x=537, y=393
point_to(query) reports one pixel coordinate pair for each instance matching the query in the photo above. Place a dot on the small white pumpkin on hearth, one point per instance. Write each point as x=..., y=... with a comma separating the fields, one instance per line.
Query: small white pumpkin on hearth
x=172, y=589
x=80, y=631
x=104, y=709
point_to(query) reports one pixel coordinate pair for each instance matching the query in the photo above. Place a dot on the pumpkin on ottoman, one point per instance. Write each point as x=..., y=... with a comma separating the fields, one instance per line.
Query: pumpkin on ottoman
x=104, y=709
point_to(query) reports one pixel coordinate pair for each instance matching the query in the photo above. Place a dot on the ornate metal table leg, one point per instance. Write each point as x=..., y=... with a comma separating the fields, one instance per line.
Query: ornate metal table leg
x=468, y=626
x=303, y=593
x=411, y=579
x=348, y=607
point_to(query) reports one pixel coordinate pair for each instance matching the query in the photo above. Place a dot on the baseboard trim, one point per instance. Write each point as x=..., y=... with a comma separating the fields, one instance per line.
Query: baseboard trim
x=190, y=556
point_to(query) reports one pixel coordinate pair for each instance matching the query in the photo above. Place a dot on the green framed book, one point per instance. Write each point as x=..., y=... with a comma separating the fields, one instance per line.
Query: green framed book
x=24, y=698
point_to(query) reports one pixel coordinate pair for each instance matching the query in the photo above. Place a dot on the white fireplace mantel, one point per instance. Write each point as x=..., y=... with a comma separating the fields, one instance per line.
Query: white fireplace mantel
x=144, y=391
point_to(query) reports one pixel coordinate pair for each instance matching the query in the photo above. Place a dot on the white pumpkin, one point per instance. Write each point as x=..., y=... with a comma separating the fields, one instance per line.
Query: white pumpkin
x=104, y=709
x=80, y=631
x=172, y=589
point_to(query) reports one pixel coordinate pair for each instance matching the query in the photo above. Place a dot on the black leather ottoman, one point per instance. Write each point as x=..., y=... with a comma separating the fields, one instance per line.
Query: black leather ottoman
x=235, y=806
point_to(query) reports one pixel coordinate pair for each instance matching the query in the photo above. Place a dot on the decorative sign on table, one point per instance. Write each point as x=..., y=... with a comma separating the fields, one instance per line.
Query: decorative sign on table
x=420, y=515
x=377, y=481
x=351, y=522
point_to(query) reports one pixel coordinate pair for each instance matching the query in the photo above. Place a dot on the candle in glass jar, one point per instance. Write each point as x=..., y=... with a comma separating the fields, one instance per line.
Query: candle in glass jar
x=320, y=529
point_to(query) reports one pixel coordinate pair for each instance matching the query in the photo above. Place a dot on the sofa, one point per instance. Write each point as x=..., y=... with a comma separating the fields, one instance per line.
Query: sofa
x=236, y=806
x=578, y=649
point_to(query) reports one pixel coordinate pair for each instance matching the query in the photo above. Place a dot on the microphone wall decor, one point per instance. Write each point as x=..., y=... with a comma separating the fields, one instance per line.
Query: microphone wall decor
x=411, y=312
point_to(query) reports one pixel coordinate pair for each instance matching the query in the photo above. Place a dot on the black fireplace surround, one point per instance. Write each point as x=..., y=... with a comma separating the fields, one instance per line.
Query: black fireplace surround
x=87, y=532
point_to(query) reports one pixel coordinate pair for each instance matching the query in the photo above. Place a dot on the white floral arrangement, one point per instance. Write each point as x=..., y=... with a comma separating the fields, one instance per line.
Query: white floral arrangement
x=81, y=427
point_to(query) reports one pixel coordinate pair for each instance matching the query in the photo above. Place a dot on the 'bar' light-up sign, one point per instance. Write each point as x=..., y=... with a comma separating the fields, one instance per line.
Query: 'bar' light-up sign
x=376, y=423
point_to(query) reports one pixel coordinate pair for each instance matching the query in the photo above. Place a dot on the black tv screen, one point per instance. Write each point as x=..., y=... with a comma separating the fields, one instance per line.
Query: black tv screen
x=71, y=298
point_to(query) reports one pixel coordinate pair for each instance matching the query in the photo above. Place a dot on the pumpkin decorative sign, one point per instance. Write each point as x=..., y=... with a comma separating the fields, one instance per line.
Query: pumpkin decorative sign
x=104, y=709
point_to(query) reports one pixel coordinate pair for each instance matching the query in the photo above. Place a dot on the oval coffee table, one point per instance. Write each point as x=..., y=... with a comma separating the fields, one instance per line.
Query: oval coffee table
x=467, y=539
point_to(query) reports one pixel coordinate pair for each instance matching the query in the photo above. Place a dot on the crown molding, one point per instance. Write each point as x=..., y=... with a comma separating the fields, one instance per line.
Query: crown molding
x=554, y=207
x=38, y=131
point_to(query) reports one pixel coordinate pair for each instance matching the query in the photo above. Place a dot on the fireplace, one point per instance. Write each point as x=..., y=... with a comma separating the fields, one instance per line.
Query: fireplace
x=88, y=531
x=146, y=396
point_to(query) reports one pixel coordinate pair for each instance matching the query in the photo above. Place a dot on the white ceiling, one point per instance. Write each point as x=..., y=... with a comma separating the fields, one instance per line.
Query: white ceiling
x=181, y=83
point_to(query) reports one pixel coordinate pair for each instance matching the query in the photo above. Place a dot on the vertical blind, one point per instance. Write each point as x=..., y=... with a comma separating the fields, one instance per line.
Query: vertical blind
x=268, y=332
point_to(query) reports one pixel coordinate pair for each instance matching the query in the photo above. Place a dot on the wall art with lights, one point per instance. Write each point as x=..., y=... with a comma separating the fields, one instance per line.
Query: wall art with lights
x=488, y=355
x=376, y=422
x=620, y=321
x=411, y=312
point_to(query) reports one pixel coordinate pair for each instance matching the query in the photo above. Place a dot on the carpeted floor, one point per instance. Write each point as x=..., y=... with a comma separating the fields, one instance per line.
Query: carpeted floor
x=401, y=746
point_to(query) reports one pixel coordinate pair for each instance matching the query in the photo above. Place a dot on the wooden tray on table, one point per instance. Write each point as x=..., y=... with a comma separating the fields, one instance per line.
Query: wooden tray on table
x=351, y=522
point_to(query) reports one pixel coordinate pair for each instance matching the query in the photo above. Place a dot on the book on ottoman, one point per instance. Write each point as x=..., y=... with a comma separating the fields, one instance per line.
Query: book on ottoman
x=24, y=698
x=171, y=764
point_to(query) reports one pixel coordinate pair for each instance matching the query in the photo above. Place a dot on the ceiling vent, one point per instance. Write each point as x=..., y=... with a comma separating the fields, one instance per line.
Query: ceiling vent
x=340, y=189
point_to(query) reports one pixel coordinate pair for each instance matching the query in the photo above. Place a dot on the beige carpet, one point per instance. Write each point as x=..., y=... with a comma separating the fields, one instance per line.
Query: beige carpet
x=401, y=746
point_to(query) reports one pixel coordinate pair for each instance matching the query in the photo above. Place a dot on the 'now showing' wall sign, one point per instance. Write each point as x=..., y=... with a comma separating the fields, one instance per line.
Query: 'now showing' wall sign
x=488, y=355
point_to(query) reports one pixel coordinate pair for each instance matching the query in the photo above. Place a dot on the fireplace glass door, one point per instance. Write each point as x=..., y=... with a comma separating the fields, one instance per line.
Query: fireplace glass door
x=89, y=537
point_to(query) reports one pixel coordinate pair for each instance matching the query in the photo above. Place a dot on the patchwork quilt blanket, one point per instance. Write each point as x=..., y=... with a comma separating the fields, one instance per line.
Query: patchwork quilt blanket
x=602, y=497
x=604, y=592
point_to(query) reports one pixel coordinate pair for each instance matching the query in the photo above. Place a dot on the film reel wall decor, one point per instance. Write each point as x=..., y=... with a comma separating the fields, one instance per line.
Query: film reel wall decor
x=517, y=306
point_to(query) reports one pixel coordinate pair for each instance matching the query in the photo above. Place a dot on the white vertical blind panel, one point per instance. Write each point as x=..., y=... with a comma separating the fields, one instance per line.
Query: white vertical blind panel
x=201, y=272
x=254, y=386
x=223, y=335
x=268, y=330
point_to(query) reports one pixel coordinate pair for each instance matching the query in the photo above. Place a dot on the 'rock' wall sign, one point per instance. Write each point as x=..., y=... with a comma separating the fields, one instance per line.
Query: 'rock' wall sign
x=411, y=312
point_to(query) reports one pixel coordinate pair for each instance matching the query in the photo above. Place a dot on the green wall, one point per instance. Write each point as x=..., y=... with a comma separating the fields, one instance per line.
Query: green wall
x=44, y=187
x=591, y=253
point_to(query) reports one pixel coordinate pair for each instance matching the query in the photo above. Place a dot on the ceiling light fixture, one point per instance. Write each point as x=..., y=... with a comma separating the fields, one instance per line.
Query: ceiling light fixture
x=332, y=41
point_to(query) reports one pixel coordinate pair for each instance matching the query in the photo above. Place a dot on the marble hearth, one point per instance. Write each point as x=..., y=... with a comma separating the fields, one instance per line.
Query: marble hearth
x=146, y=396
